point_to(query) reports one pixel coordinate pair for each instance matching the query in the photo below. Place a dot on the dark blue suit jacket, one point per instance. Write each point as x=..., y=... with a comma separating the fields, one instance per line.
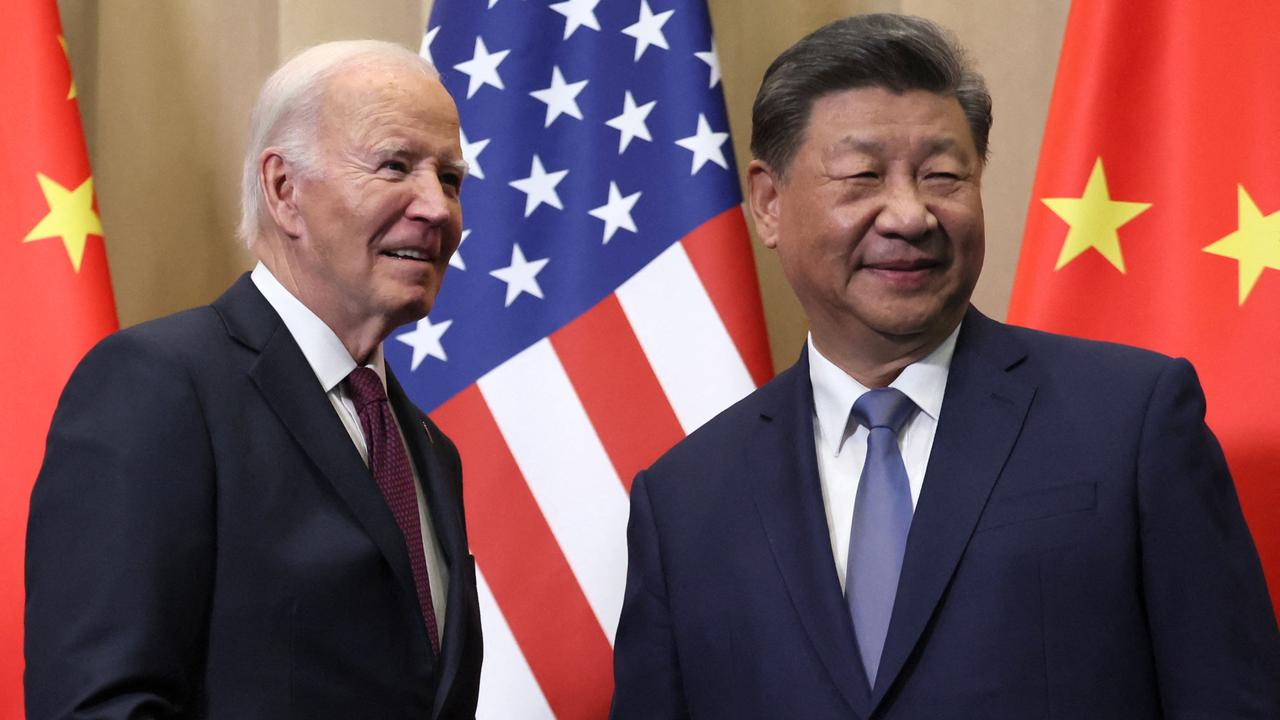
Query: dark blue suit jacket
x=1077, y=551
x=205, y=540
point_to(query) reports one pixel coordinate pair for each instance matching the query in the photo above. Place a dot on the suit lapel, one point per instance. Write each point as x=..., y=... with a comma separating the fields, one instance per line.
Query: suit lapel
x=982, y=414
x=788, y=499
x=289, y=386
x=445, y=508
x=437, y=487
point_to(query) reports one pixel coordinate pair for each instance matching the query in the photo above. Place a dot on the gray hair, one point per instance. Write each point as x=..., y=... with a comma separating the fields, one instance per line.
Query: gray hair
x=894, y=52
x=289, y=107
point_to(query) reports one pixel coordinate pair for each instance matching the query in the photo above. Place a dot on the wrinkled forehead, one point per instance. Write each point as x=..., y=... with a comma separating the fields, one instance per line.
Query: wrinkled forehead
x=360, y=98
x=876, y=120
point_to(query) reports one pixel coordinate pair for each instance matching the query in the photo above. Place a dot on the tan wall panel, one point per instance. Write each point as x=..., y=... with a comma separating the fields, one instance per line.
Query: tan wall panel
x=166, y=88
x=304, y=23
x=171, y=86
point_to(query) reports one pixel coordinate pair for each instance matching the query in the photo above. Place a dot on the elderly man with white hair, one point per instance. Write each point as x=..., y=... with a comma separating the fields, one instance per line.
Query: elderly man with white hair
x=240, y=513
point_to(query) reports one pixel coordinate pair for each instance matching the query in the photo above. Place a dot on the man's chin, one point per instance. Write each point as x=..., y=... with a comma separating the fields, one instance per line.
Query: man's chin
x=907, y=325
x=413, y=308
x=930, y=328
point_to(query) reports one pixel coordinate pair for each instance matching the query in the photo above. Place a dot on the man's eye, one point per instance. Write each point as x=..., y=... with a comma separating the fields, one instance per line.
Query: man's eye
x=398, y=166
x=453, y=180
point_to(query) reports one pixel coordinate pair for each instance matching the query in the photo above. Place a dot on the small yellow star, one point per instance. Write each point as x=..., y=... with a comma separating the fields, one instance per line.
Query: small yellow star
x=1255, y=245
x=71, y=217
x=1094, y=219
x=71, y=94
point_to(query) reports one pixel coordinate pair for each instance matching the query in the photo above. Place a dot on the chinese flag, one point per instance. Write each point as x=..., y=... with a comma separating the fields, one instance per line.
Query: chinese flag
x=1155, y=215
x=55, y=293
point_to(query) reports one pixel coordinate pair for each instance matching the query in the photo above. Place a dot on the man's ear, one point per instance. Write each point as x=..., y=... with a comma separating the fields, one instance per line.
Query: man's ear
x=278, y=182
x=762, y=191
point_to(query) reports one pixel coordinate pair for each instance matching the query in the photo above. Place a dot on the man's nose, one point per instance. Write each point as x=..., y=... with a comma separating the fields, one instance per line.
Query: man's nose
x=905, y=213
x=431, y=201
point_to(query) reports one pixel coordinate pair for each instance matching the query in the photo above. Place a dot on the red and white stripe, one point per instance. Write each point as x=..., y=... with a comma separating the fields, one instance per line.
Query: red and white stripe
x=551, y=439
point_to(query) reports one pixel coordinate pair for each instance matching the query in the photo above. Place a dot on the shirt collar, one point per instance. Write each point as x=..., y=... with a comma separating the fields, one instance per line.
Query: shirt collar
x=324, y=352
x=835, y=392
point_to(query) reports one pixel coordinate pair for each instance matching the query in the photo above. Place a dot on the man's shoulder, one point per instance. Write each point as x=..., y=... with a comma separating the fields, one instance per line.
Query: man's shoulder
x=167, y=337
x=196, y=336
x=1070, y=371
x=175, y=336
x=183, y=324
x=1055, y=350
x=733, y=426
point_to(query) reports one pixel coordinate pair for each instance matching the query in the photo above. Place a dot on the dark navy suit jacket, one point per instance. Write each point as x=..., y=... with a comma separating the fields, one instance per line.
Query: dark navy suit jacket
x=205, y=540
x=1077, y=551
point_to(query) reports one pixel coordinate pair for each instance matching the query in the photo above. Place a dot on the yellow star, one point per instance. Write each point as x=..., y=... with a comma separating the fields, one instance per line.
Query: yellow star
x=1094, y=219
x=1256, y=244
x=72, y=92
x=71, y=217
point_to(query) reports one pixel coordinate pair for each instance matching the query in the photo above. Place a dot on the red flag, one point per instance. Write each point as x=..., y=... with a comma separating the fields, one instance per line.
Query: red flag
x=55, y=293
x=1155, y=215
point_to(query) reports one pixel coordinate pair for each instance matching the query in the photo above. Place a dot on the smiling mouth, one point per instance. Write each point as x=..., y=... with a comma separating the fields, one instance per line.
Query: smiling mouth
x=903, y=267
x=408, y=254
x=904, y=276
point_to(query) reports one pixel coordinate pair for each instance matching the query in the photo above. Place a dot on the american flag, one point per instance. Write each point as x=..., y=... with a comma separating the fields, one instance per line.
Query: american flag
x=603, y=304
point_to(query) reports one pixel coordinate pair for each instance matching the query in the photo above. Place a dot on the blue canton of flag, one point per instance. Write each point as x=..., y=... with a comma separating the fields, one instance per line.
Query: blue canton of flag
x=597, y=136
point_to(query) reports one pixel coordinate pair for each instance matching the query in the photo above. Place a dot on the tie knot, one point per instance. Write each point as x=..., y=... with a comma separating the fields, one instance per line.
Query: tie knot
x=365, y=387
x=883, y=408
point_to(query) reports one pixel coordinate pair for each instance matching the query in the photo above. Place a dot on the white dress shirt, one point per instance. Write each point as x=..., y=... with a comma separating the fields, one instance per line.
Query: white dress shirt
x=841, y=442
x=332, y=363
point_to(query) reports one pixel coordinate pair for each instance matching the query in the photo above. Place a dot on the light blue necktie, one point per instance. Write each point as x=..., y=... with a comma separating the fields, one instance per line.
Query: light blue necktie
x=881, y=519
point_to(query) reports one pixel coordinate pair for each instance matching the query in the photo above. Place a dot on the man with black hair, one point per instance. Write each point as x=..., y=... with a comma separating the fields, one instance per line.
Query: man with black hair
x=932, y=514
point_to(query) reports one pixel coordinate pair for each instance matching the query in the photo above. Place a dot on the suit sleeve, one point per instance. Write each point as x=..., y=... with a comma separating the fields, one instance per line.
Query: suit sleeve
x=120, y=542
x=1214, y=636
x=645, y=666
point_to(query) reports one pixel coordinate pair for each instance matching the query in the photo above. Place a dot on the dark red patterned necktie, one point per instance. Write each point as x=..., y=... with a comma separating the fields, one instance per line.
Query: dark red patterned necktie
x=389, y=463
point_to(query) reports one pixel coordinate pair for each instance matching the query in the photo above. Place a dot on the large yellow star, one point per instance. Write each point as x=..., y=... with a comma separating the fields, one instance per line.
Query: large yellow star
x=71, y=217
x=63, y=42
x=1094, y=219
x=1255, y=245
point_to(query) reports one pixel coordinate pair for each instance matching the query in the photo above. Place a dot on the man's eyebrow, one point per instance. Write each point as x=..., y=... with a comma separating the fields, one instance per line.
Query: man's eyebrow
x=937, y=145
x=391, y=147
x=932, y=146
x=862, y=145
x=399, y=148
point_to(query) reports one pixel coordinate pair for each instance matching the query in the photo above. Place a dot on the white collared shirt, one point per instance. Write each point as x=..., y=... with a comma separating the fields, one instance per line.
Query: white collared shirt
x=331, y=363
x=841, y=442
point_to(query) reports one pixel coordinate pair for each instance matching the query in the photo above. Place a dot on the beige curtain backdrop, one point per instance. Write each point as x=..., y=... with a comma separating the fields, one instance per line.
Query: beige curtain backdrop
x=165, y=87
